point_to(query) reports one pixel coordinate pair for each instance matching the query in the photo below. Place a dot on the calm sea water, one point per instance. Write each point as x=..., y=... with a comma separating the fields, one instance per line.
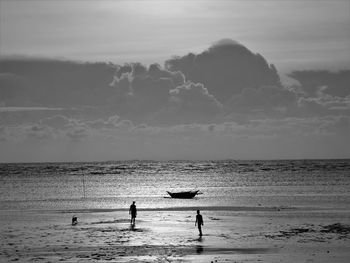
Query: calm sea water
x=321, y=184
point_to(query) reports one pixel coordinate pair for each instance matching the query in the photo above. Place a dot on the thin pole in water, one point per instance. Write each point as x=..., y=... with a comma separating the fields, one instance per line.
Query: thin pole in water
x=84, y=184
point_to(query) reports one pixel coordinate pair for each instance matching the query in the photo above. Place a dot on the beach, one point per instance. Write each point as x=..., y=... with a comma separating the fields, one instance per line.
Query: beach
x=258, y=235
x=253, y=211
x=231, y=113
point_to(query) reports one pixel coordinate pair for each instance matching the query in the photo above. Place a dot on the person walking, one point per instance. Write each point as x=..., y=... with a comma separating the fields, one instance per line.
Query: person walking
x=199, y=222
x=133, y=212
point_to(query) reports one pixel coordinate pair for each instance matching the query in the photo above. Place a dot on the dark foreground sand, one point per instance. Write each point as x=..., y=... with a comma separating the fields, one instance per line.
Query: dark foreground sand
x=258, y=235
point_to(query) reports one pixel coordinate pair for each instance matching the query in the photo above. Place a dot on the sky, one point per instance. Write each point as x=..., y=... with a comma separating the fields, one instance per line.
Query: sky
x=113, y=80
x=290, y=34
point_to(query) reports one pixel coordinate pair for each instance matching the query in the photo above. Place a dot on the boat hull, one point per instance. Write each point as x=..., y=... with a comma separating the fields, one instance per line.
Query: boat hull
x=183, y=195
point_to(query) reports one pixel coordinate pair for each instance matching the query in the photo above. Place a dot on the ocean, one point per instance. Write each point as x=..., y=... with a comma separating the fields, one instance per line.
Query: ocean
x=227, y=185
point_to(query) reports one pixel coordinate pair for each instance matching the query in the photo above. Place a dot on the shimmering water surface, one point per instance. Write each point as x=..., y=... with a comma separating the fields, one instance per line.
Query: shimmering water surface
x=322, y=184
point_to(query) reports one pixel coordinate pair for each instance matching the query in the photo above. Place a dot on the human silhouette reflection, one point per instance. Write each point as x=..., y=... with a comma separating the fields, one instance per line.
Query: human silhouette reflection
x=199, y=249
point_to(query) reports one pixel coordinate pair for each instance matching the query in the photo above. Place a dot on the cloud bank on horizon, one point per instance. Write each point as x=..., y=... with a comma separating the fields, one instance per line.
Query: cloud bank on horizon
x=225, y=102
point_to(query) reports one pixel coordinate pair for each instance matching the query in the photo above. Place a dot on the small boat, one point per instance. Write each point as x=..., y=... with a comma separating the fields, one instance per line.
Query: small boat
x=185, y=194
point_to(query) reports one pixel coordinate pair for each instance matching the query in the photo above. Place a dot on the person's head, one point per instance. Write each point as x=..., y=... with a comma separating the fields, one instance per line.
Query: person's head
x=198, y=212
x=133, y=202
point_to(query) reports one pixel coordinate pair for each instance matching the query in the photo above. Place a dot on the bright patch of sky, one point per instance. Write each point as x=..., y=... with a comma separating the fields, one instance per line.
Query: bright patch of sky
x=290, y=34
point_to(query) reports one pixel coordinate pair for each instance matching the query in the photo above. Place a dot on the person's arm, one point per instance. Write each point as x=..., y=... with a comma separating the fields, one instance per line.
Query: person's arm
x=130, y=210
x=196, y=221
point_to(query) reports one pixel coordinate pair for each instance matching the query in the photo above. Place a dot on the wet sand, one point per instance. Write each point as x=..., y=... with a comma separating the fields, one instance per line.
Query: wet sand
x=230, y=235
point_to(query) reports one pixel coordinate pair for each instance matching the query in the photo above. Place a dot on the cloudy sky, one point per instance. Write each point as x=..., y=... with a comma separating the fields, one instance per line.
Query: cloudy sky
x=110, y=80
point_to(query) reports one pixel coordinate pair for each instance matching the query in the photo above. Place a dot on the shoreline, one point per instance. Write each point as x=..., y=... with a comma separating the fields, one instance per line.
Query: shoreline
x=190, y=208
x=169, y=235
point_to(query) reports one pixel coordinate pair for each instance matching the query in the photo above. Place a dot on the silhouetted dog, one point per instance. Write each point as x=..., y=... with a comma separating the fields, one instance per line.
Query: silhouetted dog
x=74, y=220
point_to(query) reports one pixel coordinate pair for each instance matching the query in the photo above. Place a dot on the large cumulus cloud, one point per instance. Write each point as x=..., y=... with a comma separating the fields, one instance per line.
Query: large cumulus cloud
x=224, y=97
x=225, y=82
x=140, y=91
x=157, y=95
x=188, y=103
x=195, y=97
x=226, y=68
x=268, y=100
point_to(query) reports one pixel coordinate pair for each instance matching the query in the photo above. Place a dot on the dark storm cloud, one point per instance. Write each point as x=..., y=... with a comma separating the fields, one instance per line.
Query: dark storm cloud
x=334, y=83
x=196, y=88
x=192, y=102
x=267, y=99
x=187, y=103
x=225, y=69
x=11, y=86
x=130, y=77
x=225, y=83
x=140, y=90
x=42, y=82
x=195, y=97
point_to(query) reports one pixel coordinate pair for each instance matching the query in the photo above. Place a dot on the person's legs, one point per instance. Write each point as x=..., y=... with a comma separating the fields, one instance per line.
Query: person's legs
x=200, y=230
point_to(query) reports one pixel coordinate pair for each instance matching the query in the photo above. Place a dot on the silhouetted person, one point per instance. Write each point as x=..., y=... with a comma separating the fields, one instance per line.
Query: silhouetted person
x=74, y=220
x=199, y=222
x=133, y=212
